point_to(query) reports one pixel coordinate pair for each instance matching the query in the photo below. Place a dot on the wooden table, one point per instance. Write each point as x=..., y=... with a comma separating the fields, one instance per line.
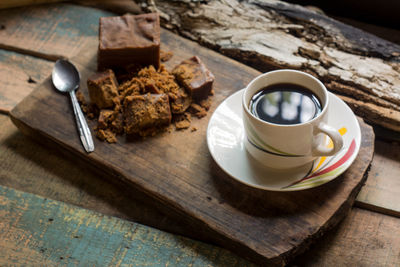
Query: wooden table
x=56, y=211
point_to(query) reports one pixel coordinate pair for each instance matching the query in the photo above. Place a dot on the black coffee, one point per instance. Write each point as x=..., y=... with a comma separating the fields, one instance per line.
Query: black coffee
x=285, y=103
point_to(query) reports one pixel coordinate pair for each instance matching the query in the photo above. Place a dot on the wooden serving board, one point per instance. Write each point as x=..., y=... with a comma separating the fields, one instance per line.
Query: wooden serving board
x=175, y=172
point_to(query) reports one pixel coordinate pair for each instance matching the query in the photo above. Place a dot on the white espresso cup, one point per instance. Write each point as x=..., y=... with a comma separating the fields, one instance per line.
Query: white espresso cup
x=283, y=146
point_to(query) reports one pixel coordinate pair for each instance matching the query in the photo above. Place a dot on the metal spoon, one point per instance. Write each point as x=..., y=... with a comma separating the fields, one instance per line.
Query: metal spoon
x=66, y=78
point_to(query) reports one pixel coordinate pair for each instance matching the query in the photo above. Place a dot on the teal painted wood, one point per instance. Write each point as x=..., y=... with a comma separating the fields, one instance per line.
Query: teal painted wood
x=72, y=21
x=36, y=231
x=54, y=30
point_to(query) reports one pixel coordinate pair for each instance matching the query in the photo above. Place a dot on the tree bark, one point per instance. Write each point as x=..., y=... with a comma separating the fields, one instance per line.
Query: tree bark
x=268, y=34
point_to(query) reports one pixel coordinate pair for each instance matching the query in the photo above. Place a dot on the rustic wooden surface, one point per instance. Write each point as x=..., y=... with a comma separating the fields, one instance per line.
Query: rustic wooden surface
x=381, y=192
x=9, y=75
x=19, y=74
x=39, y=231
x=192, y=188
x=61, y=38
x=38, y=48
x=271, y=34
x=26, y=165
x=36, y=231
x=30, y=167
x=364, y=238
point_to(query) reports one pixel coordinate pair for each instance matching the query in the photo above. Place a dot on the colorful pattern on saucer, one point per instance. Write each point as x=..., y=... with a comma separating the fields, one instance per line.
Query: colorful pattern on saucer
x=325, y=168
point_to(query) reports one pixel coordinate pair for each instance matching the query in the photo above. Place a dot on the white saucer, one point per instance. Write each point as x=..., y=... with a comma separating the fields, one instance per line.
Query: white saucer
x=225, y=139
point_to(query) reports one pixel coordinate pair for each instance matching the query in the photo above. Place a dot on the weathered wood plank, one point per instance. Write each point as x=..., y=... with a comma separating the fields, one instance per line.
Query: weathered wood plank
x=19, y=3
x=381, y=192
x=26, y=165
x=391, y=34
x=13, y=91
x=63, y=11
x=71, y=28
x=269, y=34
x=36, y=231
x=191, y=188
x=122, y=6
x=116, y=6
x=364, y=238
x=78, y=197
x=19, y=75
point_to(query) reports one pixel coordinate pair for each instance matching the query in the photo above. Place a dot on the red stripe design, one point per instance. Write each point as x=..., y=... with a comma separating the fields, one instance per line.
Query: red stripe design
x=340, y=162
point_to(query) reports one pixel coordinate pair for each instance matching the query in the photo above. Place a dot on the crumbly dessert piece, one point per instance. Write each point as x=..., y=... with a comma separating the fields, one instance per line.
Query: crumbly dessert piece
x=193, y=75
x=143, y=112
x=165, y=82
x=106, y=135
x=128, y=39
x=150, y=80
x=165, y=56
x=102, y=89
x=131, y=87
x=182, y=121
x=92, y=111
x=197, y=110
x=180, y=100
x=105, y=118
x=82, y=102
x=117, y=123
x=109, y=124
x=206, y=103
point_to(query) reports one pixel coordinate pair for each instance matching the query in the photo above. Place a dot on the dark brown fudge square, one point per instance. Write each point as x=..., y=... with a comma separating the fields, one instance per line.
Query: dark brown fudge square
x=146, y=111
x=195, y=77
x=128, y=40
x=103, y=89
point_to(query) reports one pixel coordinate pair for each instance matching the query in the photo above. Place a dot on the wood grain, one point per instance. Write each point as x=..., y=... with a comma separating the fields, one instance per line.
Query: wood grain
x=115, y=6
x=19, y=75
x=15, y=85
x=381, y=193
x=51, y=229
x=20, y=3
x=28, y=166
x=63, y=37
x=118, y=6
x=192, y=188
x=26, y=55
x=36, y=231
x=364, y=238
x=273, y=34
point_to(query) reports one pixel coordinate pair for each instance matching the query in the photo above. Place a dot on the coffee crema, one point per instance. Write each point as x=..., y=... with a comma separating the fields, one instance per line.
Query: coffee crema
x=285, y=103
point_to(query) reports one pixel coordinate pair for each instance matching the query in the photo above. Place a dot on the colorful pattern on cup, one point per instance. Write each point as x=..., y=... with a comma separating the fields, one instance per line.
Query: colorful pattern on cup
x=258, y=143
x=324, y=168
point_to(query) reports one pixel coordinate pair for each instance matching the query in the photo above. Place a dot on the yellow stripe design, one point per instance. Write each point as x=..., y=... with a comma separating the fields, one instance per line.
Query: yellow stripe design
x=342, y=131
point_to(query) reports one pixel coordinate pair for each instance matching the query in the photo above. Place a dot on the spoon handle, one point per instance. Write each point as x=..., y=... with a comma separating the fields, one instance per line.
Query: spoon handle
x=84, y=131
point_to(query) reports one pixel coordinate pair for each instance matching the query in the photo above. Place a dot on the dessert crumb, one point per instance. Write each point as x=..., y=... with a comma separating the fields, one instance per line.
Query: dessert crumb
x=165, y=55
x=198, y=110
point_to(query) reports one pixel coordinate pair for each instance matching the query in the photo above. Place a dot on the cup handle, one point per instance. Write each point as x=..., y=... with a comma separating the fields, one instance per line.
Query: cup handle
x=334, y=135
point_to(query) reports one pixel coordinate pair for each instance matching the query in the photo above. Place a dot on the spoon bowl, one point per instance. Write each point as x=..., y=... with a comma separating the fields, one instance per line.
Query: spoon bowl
x=66, y=79
x=65, y=76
